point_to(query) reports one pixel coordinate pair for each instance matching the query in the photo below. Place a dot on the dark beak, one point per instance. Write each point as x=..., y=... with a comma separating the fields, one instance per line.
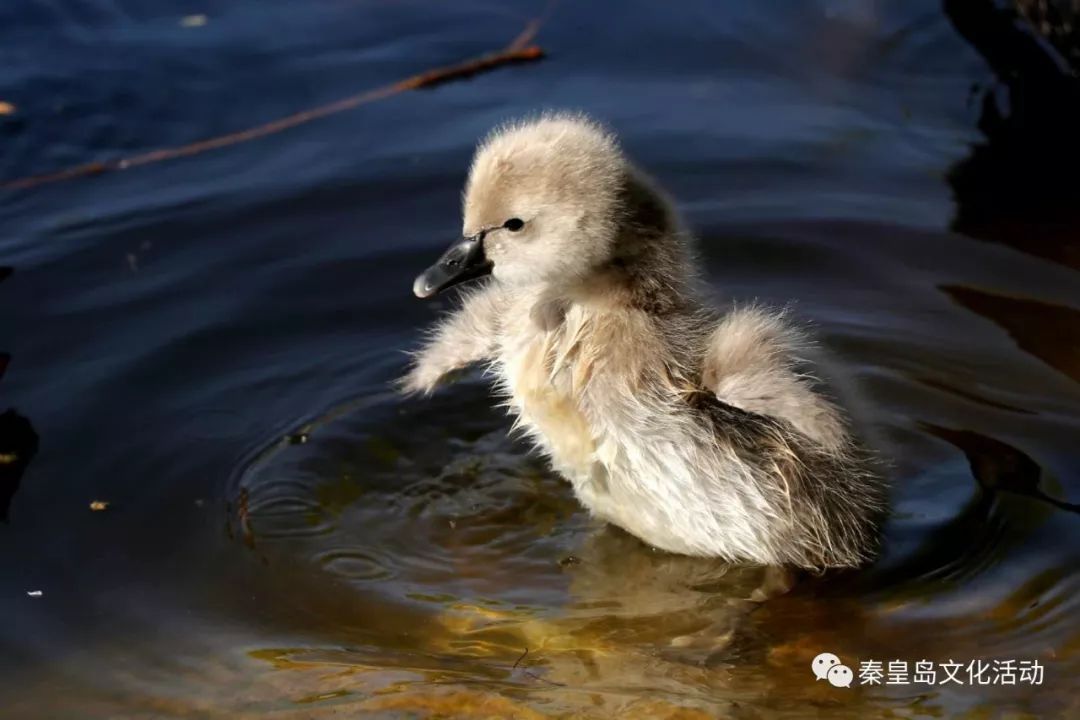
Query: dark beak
x=463, y=261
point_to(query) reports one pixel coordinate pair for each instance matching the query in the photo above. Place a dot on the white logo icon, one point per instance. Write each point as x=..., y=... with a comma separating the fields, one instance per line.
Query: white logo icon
x=827, y=666
x=822, y=664
x=840, y=676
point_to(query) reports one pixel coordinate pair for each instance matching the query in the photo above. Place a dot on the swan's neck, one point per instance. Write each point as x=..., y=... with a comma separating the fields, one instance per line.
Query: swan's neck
x=652, y=267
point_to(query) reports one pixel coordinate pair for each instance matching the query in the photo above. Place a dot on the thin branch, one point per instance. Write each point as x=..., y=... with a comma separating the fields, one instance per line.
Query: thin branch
x=518, y=51
x=529, y=674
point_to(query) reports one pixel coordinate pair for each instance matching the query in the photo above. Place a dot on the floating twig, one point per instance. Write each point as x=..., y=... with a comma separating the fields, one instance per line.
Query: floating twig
x=518, y=661
x=517, y=52
x=528, y=673
x=243, y=514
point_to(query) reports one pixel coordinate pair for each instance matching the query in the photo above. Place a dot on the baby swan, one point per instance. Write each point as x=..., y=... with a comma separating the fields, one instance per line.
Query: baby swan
x=700, y=433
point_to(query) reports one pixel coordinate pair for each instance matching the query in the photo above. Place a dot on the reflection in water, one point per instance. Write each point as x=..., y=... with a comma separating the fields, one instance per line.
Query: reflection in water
x=18, y=441
x=18, y=445
x=473, y=569
x=1047, y=331
x=972, y=396
x=999, y=466
x=505, y=577
x=1059, y=22
x=1019, y=186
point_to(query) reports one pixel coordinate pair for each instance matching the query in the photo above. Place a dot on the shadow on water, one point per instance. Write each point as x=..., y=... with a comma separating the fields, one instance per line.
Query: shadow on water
x=997, y=466
x=1019, y=186
x=18, y=441
x=18, y=445
x=1045, y=330
x=977, y=535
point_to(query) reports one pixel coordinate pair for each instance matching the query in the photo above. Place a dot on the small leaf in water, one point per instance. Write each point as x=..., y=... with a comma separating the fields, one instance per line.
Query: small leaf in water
x=99, y=505
x=6, y=108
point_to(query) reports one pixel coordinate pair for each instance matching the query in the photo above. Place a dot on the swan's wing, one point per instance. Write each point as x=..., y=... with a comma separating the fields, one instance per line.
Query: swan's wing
x=754, y=361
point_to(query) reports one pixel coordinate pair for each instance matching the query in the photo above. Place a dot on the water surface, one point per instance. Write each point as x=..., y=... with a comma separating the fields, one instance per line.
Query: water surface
x=206, y=345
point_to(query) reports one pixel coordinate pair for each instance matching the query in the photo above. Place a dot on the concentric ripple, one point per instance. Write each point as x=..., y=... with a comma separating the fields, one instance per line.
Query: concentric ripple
x=415, y=500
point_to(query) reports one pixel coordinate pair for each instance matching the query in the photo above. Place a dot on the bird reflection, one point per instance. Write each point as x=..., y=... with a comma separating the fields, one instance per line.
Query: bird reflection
x=693, y=609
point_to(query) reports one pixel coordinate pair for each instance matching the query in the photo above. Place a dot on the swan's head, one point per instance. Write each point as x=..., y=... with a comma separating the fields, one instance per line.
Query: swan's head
x=541, y=206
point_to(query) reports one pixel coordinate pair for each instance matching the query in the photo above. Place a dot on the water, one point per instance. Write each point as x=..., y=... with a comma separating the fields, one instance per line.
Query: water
x=205, y=345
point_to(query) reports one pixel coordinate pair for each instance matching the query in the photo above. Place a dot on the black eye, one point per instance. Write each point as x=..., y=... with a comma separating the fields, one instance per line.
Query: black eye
x=514, y=224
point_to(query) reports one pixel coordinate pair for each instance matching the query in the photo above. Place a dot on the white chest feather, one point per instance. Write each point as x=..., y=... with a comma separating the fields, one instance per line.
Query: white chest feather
x=538, y=371
x=633, y=460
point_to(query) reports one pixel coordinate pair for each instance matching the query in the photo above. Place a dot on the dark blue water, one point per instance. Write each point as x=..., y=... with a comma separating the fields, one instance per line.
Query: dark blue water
x=177, y=330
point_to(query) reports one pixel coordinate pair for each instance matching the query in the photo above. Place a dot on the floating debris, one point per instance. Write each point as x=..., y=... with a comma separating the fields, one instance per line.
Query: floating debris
x=517, y=52
x=34, y=593
x=193, y=21
x=320, y=697
x=244, y=515
x=99, y=505
x=243, y=518
x=6, y=108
